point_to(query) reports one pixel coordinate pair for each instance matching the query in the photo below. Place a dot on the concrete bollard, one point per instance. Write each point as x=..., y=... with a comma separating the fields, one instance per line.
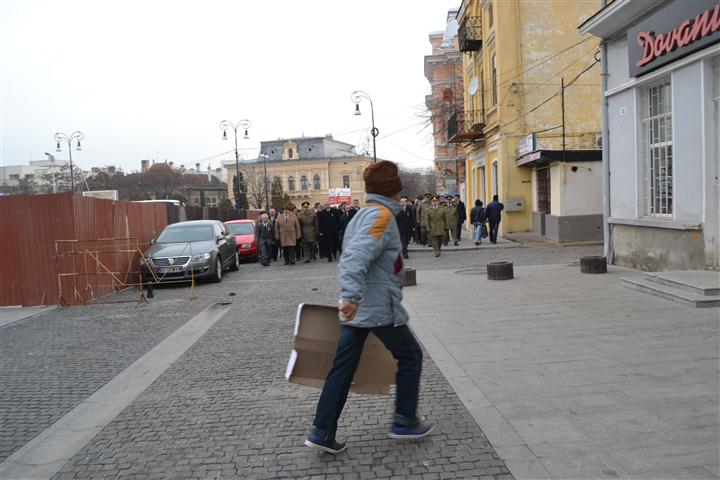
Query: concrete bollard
x=594, y=264
x=500, y=271
x=410, y=278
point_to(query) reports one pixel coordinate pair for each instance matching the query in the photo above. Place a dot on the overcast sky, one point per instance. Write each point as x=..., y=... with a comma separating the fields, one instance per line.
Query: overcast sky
x=153, y=79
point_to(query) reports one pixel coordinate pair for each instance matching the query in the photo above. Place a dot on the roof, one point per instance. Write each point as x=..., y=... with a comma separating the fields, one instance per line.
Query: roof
x=617, y=16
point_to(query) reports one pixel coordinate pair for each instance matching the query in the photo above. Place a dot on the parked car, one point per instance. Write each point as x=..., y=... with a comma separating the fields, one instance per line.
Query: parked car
x=244, y=231
x=199, y=248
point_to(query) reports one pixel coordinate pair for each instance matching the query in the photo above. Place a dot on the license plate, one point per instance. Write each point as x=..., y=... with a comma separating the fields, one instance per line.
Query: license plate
x=169, y=269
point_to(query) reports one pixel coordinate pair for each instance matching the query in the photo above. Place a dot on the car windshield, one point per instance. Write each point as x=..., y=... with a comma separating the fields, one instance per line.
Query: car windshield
x=189, y=233
x=240, y=228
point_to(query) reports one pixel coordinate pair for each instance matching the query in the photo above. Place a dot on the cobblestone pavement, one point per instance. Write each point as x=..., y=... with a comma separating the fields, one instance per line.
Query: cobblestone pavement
x=224, y=410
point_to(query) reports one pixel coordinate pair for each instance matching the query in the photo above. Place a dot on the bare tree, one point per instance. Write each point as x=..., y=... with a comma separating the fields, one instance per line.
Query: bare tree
x=255, y=182
x=417, y=181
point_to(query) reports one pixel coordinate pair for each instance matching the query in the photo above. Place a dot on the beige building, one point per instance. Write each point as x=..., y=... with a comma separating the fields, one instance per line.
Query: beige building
x=304, y=168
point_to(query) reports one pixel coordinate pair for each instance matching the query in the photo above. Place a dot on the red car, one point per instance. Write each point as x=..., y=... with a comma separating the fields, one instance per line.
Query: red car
x=244, y=231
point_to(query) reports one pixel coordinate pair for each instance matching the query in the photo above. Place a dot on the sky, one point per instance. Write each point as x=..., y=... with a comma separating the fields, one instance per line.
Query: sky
x=153, y=79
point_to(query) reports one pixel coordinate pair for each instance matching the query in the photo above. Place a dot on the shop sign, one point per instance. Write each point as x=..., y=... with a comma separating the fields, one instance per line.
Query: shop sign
x=680, y=28
x=526, y=144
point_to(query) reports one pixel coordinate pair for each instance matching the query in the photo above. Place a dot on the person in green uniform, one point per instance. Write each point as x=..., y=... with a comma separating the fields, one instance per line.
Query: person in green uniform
x=435, y=222
x=452, y=214
x=309, y=228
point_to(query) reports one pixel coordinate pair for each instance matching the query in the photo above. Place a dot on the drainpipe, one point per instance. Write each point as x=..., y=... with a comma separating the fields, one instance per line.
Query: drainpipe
x=607, y=239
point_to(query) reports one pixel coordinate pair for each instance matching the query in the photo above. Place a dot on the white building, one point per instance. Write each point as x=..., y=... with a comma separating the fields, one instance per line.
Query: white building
x=11, y=174
x=663, y=118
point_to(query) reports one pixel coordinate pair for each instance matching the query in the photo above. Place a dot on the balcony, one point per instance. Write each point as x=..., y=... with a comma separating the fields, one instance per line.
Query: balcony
x=470, y=35
x=466, y=127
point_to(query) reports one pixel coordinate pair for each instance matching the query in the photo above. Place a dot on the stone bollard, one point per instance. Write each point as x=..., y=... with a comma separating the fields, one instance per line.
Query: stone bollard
x=410, y=278
x=500, y=271
x=595, y=264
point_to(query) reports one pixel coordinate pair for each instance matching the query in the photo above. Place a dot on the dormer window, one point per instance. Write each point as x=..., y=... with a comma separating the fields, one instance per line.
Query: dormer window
x=290, y=153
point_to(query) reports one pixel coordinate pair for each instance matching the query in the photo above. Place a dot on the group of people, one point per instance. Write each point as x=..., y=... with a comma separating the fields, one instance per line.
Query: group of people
x=310, y=234
x=434, y=220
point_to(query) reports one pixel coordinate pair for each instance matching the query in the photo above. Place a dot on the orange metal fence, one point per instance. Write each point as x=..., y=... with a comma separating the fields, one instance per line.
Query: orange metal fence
x=32, y=226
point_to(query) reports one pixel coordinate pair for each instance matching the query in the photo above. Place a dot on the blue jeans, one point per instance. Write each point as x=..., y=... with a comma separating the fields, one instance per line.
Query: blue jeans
x=494, y=231
x=405, y=349
x=478, y=232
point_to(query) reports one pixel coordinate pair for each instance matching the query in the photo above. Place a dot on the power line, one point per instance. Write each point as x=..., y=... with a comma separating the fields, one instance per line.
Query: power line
x=552, y=96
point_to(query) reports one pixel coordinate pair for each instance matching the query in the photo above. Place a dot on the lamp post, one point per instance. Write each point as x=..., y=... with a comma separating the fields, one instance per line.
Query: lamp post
x=244, y=125
x=356, y=96
x=64, y=137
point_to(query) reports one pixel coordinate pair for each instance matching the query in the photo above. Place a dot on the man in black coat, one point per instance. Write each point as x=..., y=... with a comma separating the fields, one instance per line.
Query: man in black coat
x=406, y=222
x=492, y=212
x=328, y=228
x=461, y=216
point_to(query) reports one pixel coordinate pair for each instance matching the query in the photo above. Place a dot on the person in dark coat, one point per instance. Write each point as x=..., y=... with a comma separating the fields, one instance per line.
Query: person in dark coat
x=265, y=237
x=328, y=228
x=461, y=215
x=493, y=215
x=477, y=218
x=276, y=244
x=406, y=223
x=343, y=219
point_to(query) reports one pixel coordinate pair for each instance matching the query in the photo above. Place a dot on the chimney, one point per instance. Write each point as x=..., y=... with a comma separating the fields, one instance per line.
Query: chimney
x=144, y=165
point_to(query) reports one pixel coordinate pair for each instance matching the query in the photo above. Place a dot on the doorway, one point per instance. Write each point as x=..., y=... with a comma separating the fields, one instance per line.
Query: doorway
x=543, y=190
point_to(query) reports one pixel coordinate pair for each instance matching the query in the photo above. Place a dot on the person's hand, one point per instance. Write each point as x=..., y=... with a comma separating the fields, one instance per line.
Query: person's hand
x=347, y=310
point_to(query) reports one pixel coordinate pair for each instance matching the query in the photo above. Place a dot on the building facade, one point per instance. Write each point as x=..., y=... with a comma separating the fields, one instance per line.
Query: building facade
x=531, y=122
x=443, y=69
x=663, y=115
x=37, y=170
x=303, y=168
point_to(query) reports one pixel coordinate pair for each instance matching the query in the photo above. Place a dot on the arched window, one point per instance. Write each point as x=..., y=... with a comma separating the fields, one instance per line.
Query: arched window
x=291, y=183
x=316, y=182
x=303, y=183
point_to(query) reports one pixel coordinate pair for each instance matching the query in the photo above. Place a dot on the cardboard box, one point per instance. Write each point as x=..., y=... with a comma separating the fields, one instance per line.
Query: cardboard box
x=317, y=330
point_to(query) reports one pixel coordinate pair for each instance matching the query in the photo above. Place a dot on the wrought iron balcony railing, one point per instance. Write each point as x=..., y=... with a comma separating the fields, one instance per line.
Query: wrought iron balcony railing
x=466, y=126
x=470, y=35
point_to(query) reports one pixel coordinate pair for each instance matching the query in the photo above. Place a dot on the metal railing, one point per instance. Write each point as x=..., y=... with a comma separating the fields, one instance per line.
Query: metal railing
x=470, y=35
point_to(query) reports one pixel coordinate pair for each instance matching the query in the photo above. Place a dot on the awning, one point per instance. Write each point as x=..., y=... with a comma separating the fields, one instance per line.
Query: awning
x=540, y=158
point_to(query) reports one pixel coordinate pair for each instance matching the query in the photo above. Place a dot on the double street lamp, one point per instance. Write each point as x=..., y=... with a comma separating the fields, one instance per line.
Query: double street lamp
x=69, y=139
x=356, y=96
x=241, y=125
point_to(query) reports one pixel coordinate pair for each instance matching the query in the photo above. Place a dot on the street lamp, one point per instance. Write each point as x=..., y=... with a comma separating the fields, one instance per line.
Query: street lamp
x=244, y=125
x=356, y=96
x=64, y=137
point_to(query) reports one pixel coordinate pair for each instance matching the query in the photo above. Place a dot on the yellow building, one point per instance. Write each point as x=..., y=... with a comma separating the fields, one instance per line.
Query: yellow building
x=518, y=56
x=303, y=168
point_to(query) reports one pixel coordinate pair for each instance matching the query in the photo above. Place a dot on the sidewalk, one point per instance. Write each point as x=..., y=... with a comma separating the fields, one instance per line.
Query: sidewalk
x=466, y=243
x=575, y=376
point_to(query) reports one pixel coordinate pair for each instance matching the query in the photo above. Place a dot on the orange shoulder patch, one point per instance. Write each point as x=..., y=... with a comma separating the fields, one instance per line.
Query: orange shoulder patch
x=381, y=223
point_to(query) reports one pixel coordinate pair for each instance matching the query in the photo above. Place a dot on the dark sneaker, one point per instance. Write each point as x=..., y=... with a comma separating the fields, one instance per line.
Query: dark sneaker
x=329, y=446
x=410, y=431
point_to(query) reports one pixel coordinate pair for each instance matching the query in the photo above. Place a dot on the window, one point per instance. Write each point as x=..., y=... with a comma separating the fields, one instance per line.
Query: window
x=656, y=156
x=316, y=182
x=291, y=183
x=495, y=178
x=276, y=186
x=494, y=81
x=346, y=181
x=490, y=14
x=304, y=183
x=290, y=153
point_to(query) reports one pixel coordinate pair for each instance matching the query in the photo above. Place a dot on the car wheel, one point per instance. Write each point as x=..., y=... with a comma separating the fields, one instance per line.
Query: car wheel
x=218, y=271
x=236, y=263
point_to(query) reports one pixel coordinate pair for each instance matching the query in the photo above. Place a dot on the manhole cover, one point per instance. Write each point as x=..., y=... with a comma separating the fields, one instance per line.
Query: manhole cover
x=472, y=271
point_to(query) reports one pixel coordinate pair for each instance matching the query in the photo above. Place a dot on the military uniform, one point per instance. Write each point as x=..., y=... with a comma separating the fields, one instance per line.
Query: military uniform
x=421, y=209
x=452, y=214
x=308, y=226
x=435, y=220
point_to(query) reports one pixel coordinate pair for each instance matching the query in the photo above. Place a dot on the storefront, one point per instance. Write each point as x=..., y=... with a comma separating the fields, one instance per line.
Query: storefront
x=663, y=150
